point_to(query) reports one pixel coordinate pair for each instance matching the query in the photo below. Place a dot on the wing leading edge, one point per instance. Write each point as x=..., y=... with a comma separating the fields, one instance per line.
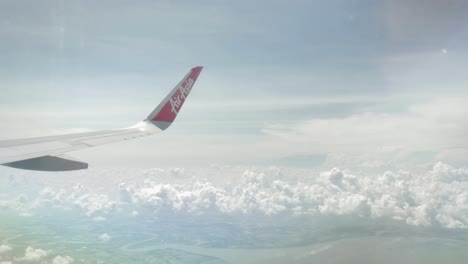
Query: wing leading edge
x=46, y=153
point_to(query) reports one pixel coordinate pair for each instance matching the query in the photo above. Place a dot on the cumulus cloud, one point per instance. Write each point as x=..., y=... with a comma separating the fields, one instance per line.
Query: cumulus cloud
x=436, y=197
x=89, y=203
x=62, y=260
x=105, y=237
x=4, y=249
x=32, y=255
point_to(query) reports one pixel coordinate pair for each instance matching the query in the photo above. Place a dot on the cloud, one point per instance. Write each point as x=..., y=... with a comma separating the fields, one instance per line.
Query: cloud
x=62, y=260
x=91, y=204
x=105, y=237
x=436, y=126
x=435, y=197
x=4, y=249
x=99, y=219
x=33, y=255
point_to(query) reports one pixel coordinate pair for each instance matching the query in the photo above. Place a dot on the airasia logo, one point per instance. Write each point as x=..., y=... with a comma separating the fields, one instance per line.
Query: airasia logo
x=179, y=97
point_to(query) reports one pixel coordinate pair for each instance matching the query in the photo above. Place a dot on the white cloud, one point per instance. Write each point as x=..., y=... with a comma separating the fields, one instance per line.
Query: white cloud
x=4, y=249
x=62, y=260
x=438, y=125
x=32, y=255
x=99, y=219
x=124, y=193
x=105, y=237
x=90, y=204
x=435, y=197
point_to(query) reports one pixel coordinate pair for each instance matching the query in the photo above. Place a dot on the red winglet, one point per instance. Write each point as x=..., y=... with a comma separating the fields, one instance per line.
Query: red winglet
x=167, y=111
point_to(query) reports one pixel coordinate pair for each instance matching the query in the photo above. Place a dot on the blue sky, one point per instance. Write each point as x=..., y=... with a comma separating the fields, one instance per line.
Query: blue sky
x=282, y=79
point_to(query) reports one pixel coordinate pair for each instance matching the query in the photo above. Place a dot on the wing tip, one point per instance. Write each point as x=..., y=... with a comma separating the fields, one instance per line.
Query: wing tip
x=197, y=69
x=166, y=112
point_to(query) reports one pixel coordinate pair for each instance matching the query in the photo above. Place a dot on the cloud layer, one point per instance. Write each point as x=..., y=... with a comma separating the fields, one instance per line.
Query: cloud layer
x=435, y=198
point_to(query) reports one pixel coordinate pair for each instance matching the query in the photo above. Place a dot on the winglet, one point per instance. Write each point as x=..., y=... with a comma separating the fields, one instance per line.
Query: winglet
x=167, y=110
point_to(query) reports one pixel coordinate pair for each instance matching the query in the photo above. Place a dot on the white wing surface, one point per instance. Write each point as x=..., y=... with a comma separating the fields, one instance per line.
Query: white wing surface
x=47, y=153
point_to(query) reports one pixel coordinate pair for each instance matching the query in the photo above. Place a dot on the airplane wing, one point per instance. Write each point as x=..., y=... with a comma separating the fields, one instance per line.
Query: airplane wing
x=47, y=153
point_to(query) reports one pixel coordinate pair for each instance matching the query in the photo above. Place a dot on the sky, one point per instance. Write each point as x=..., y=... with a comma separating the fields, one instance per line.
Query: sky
x=316, y=129
x=283, y=81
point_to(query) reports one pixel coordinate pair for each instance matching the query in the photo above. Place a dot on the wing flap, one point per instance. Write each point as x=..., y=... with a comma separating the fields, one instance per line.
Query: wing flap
x=49, y=163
